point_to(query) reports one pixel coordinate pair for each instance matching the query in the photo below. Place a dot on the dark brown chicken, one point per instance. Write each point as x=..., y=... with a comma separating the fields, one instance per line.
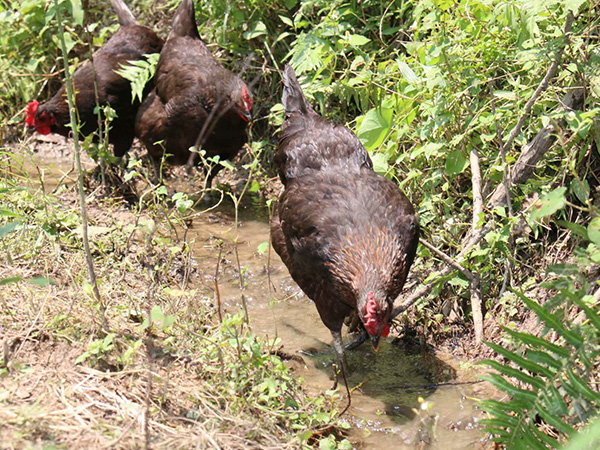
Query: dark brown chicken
x=347, y=235
x=196, y=101
x=130, y=42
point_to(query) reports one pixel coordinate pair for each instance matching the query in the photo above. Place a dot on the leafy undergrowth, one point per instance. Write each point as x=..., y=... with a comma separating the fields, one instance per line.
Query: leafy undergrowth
x=162, y=371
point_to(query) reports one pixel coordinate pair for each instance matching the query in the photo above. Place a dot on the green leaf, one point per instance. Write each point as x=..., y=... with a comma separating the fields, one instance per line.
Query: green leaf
x=262, y=247
x=82, y=357
x=499, y=382
x=535, y=341
x=258, y=29
x=550, y=203
x=455, y=162
x=575, y=228
x=357, y=40
x=42, y=281
x=537, y=383
x=156, y=315
x=574, y=5
x=374, y=127
x=593, y=231
x=305, y=435
x=407, y=72
x=139, y=72
x=76, y=10
x=4, y=281
x=582, y=387
x=588, y=438
x=8, y=228
x=380, y=163
x=327, y=443
x=286, y=20
x=520, y=360
x=581, y=189
x=429, y=149
x=8, y=213
x=552, y=321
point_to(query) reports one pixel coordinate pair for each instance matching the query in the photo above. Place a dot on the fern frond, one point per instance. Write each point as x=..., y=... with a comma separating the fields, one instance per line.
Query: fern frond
x=139, y=73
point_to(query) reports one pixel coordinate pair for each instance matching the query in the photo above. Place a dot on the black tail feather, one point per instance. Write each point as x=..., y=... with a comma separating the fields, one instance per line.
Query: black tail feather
x=124, y=14
x=293, y=98
x=184, y=21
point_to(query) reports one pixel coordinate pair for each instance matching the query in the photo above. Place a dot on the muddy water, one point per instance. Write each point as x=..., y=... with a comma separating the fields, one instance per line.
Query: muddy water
x=389, y=381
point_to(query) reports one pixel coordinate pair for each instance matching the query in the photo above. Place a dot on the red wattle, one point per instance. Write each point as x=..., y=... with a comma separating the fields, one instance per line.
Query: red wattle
x=386, y=331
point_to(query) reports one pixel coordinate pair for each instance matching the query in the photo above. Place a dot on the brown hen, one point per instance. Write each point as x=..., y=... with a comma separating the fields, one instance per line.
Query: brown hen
x=347, y=235
x=196, y=102
x=129, y=43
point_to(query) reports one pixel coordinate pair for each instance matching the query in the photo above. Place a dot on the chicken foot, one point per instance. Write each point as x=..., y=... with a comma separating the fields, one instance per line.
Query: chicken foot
x=339, y=350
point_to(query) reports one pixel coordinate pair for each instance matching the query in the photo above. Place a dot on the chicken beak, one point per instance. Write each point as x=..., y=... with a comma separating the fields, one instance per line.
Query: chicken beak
x=247, y=116
x=375, y=341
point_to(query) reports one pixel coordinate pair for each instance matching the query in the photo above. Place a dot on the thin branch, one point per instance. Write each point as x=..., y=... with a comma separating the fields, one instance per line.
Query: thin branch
x=475, y=285
x=217, y=292
x=503, y=149
x=447, y=259
x=476, y=182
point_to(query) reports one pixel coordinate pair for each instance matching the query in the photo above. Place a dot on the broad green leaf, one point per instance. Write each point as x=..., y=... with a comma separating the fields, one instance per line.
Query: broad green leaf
x=429, y=149
x=357, y=40
x=258, y=29
x=380, y=163
x=375, y=127
x=76, y=10
x=593, y=231
x=8, y=228
x=550, y=203
x=407, y=72
x=8, y=213
x=587, y=439
x=305, y=435
x=574, y=5
x=287, y=21
x=507, y=95
x=455, y=162
x=581, y=189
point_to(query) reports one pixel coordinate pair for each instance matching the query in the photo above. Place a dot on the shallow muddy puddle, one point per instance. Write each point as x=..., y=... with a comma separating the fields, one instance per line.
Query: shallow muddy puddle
x=389, y=382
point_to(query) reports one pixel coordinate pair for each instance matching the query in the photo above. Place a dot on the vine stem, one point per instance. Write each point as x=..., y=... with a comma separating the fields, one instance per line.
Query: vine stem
x=82, y=201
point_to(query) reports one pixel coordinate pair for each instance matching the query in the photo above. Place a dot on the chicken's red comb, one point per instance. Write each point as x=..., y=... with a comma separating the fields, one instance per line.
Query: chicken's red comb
x=32, y=108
